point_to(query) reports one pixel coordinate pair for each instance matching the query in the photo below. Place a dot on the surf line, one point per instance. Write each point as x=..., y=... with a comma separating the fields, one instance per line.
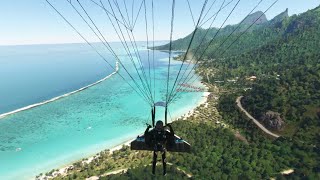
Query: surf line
x=62, y=96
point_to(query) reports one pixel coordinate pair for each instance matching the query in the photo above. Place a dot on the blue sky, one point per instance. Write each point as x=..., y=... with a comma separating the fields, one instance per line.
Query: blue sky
x=35, y=22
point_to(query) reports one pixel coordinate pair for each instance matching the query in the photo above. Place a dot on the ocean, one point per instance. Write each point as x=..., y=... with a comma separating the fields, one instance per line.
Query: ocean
x=77, y=126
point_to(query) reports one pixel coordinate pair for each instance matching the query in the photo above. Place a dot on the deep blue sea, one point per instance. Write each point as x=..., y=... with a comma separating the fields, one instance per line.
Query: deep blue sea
x=58, y=133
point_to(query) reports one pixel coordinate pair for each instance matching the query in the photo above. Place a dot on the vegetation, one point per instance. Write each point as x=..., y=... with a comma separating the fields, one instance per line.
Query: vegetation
x=288, y=82
x=287, y=71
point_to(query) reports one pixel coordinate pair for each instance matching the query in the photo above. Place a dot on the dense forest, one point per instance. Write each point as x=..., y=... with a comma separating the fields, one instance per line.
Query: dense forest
x=287, y=72
x=283, y=55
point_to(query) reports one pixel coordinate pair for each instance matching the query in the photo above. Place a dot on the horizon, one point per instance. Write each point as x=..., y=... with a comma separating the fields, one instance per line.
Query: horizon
x=44, y=27
x=64, y=43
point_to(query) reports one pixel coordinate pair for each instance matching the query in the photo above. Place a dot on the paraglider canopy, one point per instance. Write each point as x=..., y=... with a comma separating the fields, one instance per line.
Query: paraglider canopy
x=160, y=103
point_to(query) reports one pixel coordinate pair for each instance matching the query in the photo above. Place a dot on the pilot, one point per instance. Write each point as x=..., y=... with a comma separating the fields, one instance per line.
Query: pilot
x=159, y=138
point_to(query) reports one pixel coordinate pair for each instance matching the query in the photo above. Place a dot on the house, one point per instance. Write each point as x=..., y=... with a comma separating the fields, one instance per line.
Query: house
x=252, y=78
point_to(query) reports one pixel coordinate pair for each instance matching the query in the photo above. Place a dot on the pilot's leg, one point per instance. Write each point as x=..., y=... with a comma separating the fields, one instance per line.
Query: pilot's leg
x=154, y=162
x=164, y=162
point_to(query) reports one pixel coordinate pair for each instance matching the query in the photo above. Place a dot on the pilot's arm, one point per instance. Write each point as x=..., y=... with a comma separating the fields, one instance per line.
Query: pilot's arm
x=147, y=130
x=171, y=129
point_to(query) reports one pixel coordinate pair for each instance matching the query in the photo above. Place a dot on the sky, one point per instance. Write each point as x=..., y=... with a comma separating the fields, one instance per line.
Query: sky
x=35, y=22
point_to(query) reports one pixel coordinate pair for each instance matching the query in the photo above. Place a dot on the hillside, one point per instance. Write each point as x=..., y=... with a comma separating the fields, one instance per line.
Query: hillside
x=253, y=17
x=286, y=87
x=285, y=68
x=262, y=32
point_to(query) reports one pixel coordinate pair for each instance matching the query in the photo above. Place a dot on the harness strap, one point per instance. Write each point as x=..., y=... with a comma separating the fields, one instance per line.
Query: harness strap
x=166, y=115
x=153, y=115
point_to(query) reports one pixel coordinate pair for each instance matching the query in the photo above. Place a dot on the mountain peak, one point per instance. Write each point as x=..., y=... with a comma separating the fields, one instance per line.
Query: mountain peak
x=280, y=17
x=254, y=16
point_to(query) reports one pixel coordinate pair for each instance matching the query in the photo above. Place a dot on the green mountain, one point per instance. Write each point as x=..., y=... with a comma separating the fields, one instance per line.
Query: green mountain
x=252, y=18
x=287, y=86
x=260, y=33
x=276, y=21
x=287, y=68
x=201, y=36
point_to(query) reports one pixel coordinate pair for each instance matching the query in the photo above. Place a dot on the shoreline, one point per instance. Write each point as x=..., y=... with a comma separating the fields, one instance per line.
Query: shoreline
x=204, y=100
x=61, y=96
x=64, y=170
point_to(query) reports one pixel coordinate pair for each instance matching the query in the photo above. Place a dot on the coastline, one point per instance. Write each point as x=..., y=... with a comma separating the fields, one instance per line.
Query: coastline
x=60, y=97
x=63, y=171
x=203, y=100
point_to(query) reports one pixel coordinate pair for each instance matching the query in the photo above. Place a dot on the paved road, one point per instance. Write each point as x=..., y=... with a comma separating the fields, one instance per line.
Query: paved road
x=238, y=101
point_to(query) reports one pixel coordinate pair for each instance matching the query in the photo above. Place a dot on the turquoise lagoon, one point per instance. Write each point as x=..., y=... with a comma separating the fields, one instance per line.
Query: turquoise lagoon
x=53, y=135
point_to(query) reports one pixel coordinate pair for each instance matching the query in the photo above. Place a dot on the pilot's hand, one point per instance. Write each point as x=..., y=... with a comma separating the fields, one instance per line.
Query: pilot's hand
x=149, y=126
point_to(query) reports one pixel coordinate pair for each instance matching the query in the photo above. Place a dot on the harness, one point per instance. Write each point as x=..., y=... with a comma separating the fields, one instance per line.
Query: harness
x=159, y=140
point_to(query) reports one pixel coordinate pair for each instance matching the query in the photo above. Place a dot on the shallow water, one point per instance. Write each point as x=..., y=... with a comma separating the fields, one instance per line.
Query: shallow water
x=80, y=125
